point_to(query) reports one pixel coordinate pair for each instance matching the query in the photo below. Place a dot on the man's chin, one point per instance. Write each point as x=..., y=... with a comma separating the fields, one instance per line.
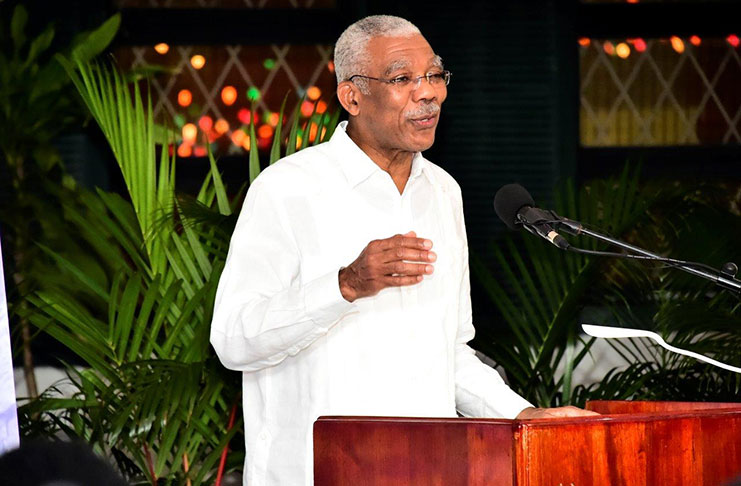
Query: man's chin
x=423, y=145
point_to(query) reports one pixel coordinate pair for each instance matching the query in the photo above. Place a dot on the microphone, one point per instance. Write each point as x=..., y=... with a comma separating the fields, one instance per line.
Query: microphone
x=515, y=207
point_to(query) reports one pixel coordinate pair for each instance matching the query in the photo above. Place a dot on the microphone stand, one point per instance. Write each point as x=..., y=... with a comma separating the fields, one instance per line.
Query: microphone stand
x=725, y=278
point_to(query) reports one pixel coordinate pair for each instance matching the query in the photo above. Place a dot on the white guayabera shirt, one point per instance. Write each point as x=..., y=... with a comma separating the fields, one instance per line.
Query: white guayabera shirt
x=280, y=317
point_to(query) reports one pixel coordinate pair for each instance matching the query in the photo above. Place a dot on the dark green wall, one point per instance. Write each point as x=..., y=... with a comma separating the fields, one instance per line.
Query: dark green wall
x=510, y=114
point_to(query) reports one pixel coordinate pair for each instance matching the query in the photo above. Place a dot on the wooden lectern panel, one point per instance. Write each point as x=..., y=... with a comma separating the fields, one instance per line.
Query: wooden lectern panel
x=637, y=406
x=695, y=448
x=375, y=451
x=676, y=445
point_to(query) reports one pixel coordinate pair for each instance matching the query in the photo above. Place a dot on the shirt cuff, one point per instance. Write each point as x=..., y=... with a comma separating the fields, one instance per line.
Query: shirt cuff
x=324, y=302
x=512, y=407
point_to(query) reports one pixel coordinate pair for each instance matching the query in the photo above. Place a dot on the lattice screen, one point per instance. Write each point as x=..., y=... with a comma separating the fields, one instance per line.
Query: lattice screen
x=677, y=91
x=227, y=3
x=195, y=99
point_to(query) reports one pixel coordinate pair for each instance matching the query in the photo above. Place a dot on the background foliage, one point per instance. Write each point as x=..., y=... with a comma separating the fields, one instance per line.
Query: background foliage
x=134, y=301
x=37, y=104
x=544, y=294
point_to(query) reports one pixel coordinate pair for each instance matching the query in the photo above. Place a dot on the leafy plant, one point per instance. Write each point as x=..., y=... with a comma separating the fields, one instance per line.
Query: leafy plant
x=544, y=291
x=695, y=223
x=38, y=103
x=138, y=310
x=543, y=294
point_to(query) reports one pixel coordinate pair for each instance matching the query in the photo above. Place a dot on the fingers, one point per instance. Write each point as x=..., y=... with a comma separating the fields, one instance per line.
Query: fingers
x=401, y=253
x=397, y=261
x=403, y=268
x=408, y=240
x=571, y=411
x=556, y=412
x=401, y=280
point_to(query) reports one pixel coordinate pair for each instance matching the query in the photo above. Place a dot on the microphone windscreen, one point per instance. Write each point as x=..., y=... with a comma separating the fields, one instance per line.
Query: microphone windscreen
x=509, y=200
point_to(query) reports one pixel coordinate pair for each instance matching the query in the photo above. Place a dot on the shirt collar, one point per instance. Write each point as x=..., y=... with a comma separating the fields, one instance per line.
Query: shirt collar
x=357, y=166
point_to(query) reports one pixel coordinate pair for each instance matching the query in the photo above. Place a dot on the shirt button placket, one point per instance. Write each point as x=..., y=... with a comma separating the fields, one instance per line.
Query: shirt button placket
x=406, y=218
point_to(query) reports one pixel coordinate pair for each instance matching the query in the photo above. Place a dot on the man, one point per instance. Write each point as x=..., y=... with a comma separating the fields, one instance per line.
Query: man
x=346, y=288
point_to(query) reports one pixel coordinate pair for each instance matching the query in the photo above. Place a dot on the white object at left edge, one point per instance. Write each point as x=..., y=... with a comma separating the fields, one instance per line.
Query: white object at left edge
x=8, y=416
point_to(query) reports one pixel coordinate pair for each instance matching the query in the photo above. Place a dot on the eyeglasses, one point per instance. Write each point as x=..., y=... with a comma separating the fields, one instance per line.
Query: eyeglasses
x=436, y=79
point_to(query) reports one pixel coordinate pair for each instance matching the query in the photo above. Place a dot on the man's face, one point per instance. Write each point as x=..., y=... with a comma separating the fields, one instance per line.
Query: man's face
x=402, y=118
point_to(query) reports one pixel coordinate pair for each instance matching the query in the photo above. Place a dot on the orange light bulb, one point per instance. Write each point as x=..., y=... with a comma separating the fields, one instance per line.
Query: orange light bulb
x=677, y=44
x=205, y=123
x=622, y=50
x=307, y=108
x=185, y=97
x=238, y=137
x=229, y=95
x=184, y=150
x=221, y=126
x=189, y=133
x=265, y=131
x=197, y=61
x=313, y=93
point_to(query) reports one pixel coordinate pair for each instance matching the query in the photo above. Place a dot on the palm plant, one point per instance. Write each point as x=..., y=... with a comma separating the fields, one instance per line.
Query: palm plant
x=544, y=291
x=38, y=104
x=698, y=224
x=543, y=294
x=137, y=308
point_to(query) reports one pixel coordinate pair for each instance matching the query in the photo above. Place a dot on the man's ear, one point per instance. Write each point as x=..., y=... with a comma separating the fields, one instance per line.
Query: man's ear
x=349, y=96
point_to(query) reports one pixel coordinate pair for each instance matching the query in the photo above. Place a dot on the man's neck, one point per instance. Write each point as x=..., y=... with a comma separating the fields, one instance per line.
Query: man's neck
x=397, y=163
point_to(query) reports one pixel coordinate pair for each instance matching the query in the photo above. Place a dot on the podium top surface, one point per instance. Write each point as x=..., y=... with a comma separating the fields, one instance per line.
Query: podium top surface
x=610, y=410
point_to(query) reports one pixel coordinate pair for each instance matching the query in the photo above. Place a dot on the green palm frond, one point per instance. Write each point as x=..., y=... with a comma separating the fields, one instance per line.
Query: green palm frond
x=540, y=291
x=133, y=299
x=543, y=294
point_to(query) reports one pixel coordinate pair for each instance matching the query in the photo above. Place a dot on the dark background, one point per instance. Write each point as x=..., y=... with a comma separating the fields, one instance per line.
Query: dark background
x=513, y=103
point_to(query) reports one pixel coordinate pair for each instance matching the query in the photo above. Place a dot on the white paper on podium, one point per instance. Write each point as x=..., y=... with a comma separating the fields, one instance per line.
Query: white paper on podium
x=624, y=332
x=8, y=415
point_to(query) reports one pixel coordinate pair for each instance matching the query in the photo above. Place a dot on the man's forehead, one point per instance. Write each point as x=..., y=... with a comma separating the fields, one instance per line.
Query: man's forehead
x=389, y=53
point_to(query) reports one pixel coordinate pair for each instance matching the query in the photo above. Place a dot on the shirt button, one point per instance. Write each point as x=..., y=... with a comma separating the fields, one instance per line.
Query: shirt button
x=263, y=436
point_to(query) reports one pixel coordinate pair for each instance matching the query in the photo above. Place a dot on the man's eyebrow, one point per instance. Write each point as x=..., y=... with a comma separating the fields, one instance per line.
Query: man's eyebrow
x=395, y=66
x=399, y=64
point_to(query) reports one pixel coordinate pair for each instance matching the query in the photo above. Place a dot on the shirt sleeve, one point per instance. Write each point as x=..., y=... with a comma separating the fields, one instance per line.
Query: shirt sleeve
x=263, y=311
x=479, y=390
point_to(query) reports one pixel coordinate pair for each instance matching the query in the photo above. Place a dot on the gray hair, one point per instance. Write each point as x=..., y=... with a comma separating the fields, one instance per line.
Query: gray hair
x=350, y=52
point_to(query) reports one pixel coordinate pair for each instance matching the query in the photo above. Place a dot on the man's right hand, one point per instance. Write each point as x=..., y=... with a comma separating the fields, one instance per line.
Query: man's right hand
x=392, y=262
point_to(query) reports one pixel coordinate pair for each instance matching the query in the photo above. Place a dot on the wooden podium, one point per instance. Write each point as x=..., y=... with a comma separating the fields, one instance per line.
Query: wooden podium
x=631, y=444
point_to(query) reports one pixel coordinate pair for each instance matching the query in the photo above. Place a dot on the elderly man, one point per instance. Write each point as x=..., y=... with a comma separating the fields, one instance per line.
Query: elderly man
x=346, y=288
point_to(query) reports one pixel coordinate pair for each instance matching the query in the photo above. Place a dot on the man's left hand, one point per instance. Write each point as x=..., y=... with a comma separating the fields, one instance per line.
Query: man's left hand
x=556, y=412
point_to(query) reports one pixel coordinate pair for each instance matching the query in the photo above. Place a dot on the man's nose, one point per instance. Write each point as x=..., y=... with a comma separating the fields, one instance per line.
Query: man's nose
x=423, y=90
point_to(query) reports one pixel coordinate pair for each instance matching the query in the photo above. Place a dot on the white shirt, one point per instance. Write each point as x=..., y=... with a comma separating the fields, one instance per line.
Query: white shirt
x=304, y=350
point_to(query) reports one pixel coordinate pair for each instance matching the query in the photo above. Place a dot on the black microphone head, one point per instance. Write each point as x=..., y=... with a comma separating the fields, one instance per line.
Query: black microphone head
x=509, y=200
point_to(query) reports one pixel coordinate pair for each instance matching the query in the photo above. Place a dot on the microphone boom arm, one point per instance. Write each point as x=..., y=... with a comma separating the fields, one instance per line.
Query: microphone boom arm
x=724, y=278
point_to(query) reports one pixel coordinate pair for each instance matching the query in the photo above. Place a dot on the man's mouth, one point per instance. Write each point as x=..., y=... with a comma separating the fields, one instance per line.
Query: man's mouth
x=424, y=116
x=424, y=122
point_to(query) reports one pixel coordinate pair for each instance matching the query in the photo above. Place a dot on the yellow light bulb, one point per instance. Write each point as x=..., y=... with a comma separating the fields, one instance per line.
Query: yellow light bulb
x=622, y=50
x=197, y=61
